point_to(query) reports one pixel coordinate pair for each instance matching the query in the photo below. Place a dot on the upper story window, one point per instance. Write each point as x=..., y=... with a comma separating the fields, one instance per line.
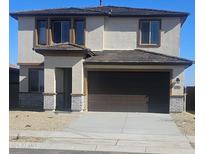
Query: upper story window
x=79, y=32
x=149, y=32
x=60, y=31
x=41, y=28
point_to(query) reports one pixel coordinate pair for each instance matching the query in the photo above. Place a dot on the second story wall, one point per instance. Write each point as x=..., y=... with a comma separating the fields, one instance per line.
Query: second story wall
x=94, y=33
x=122, y=34
x=170, y=37
x=26, y=54
x=104, y=33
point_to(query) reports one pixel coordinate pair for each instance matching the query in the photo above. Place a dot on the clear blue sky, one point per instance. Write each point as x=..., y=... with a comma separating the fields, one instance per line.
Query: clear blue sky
x=187, y=43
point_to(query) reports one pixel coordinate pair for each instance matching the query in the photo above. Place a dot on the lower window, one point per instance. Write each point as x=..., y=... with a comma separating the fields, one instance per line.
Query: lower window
x=36, y=80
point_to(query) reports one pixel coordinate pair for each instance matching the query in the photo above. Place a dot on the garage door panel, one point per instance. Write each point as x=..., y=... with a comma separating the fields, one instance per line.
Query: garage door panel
x=110, y=102
x=128, y=91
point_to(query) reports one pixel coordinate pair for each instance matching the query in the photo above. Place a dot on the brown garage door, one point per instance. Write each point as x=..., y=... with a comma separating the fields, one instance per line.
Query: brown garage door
x=128, y=91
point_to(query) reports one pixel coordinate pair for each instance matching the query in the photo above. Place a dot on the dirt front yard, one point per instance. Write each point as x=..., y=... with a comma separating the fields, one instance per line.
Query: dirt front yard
x=48, y=121
x=186, y=122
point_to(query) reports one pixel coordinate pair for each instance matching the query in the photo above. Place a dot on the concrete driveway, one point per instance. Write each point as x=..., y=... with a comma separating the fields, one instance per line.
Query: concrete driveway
x=142, y=132
x=125, y=123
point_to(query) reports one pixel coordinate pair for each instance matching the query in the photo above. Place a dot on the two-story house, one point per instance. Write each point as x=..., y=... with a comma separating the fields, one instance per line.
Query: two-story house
x=104, y=58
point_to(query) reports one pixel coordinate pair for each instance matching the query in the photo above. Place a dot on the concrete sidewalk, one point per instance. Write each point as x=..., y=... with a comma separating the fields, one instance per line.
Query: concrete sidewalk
x=109, y=136
x=104, y=142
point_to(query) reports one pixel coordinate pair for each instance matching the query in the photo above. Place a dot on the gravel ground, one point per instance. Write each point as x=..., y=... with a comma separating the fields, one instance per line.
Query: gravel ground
x=48, y=121
x=186, y=122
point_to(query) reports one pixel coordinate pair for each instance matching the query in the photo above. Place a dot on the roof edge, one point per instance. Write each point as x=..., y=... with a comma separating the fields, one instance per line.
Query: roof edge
x=138, y=63
x=179, y=58
x=94, y=12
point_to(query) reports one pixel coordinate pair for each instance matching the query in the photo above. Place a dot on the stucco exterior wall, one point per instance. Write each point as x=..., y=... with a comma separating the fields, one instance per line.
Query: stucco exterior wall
x=121, y=34
x=94, y=33
x=178, y=88
x=103, y=33
x=26, y=54
x=170, y=37
x=52, y=62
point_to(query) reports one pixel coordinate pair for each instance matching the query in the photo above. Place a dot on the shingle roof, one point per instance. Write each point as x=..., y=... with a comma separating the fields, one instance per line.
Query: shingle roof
x=57, y=11
x=135, y=57
x=123, y=11
x=61, y=46
x=102, y=11
x=64, y=47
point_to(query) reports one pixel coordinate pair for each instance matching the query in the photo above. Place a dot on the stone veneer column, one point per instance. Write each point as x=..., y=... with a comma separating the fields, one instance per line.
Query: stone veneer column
x=77, y=103
x=49, y=101
x=177, y=104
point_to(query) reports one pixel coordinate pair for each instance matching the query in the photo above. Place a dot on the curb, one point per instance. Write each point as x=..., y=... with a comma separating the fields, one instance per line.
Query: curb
x=100, y=148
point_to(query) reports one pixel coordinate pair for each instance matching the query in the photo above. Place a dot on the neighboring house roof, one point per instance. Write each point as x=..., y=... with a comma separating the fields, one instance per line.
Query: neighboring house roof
x=135, y=57
x=102, y=11
x=13, y=66
x=62, y=48
x=13, y=74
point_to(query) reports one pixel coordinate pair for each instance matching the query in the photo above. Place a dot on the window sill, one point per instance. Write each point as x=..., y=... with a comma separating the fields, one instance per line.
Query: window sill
x=148, y=46
x=58, y=44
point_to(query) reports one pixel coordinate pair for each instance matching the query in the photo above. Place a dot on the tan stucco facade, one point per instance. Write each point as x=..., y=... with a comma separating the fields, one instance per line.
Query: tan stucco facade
x=115, y=33
x=51, y=65
x=170, y=37
x=101, y=33
x=26, y=54
x=52, y=62
x=94, y=36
